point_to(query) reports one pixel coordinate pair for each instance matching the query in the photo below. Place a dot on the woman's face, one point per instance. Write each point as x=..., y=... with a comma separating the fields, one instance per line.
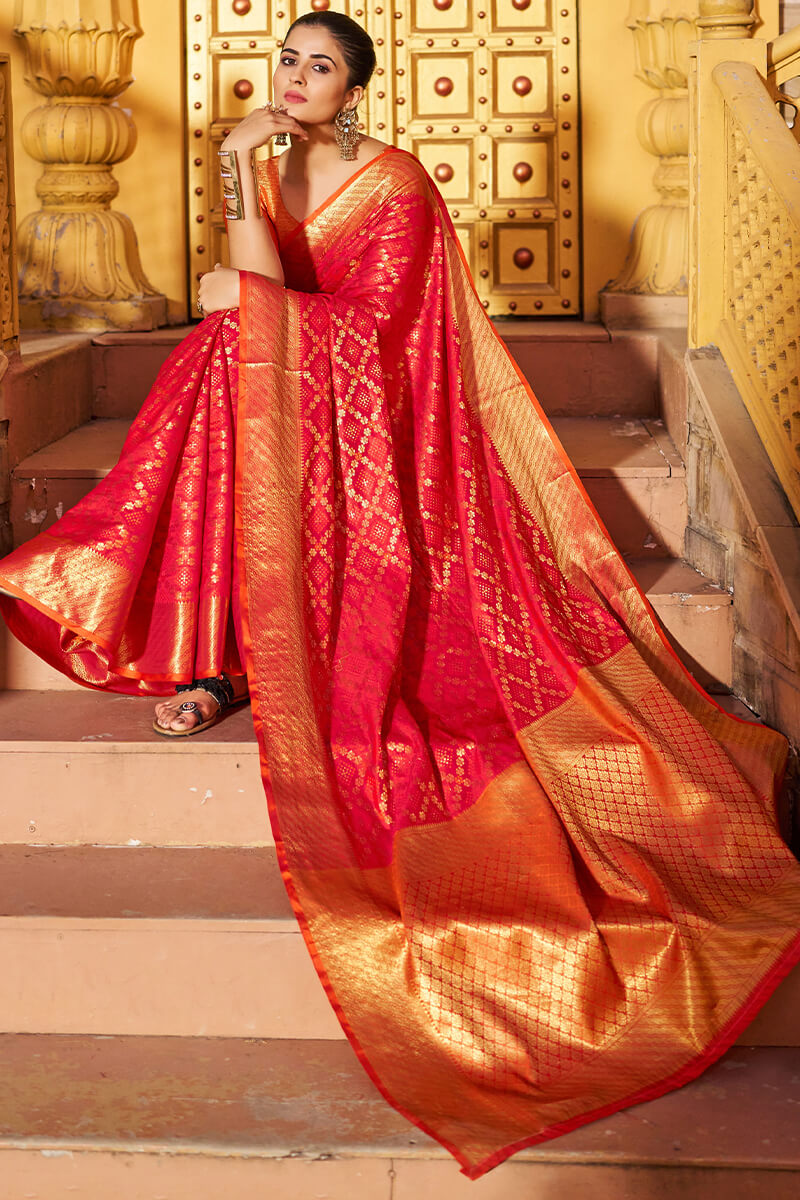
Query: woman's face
x=311, y=77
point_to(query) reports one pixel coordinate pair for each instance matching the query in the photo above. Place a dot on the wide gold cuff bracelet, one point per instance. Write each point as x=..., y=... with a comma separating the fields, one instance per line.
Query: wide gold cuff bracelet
x=232, y=205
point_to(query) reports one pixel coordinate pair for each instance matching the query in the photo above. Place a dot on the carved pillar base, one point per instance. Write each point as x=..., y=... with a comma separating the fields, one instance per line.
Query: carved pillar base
x=79, y=261
x=631, y=310
x=81, y=270
x=657, y=262
x=93, y=316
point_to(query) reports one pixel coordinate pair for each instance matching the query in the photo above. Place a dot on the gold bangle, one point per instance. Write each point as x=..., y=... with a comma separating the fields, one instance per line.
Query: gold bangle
x=231, y=185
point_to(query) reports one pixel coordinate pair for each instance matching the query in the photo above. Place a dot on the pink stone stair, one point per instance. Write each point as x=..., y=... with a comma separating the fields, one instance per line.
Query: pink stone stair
x=51, y=384
x=579, y=369
x=696, y=614
x=574, y=367
x=629, y=466
x=169, y=977
x=87, y=768
x=166, y=1036
x=49, y=482
x=139, y=889
x=125, y=365
x=634, y=477
x=171, y=1119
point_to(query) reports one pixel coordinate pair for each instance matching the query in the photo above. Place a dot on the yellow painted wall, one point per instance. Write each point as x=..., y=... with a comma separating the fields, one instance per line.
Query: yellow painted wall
x=617, y=172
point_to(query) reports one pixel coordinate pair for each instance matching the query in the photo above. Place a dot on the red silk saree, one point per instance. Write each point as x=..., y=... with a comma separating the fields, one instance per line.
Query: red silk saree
x=537, y=868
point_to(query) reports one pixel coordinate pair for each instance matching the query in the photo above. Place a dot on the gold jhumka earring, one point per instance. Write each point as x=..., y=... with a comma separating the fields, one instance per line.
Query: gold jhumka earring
x=347, y=135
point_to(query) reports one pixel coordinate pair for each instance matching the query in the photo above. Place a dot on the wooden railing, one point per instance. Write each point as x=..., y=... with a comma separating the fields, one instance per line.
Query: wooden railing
x=9, y=316
x=745, y=242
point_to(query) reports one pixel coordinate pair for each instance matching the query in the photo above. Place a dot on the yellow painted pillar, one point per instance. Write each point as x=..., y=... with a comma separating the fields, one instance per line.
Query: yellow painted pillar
x=658, y=259
x=9, y=322
x=726, y=18
x=9, y=325
x=79, y=260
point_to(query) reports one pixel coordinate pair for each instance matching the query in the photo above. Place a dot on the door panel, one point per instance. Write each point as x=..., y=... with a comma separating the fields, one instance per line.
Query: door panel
x=484, y=92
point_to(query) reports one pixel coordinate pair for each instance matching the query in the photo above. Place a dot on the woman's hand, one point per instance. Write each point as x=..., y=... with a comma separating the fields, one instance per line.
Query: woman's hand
x=219, y=289
x=259, y=126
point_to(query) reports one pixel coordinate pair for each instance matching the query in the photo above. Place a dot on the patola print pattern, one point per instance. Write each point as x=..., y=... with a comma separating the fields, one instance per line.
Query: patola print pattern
x=538, y=870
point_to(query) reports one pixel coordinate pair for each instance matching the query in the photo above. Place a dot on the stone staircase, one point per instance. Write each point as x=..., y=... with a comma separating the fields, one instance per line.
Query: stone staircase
x=163, y=1034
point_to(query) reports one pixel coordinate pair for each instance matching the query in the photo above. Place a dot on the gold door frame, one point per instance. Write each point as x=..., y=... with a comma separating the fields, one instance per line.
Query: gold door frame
x=484, y=92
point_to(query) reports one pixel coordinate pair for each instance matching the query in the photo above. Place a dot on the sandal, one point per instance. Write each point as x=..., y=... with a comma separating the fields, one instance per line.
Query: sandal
x=222, y=691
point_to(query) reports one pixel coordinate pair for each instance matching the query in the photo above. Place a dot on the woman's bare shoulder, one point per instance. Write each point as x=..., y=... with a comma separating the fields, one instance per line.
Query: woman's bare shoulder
x=370, y=147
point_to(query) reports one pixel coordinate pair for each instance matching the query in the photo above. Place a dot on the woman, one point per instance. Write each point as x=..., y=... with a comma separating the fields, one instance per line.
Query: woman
x=538, y=869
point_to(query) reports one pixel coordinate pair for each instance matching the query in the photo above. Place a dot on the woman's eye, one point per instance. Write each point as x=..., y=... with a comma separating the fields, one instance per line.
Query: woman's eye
x=321, y=68
x=287, y=61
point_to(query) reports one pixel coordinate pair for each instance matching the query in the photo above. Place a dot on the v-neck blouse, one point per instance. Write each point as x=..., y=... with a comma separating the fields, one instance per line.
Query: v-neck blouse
x=270, y=187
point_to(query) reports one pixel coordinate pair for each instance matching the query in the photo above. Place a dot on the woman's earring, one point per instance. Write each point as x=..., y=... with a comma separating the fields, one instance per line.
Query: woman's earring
x=347, y=135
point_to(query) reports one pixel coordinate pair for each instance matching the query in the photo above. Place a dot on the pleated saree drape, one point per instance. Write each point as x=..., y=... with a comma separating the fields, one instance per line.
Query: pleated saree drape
x=538, y=870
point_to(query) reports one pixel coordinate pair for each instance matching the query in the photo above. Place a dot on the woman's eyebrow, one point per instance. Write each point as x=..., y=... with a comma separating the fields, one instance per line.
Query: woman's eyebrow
x=289, y=50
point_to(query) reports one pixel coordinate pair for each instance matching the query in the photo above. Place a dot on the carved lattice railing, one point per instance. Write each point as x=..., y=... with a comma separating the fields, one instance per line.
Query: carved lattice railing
x=746, y=245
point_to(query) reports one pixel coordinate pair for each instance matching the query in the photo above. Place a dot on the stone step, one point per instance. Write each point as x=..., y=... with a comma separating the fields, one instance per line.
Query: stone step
x=49, y=365
x=697, y=615
x=106, y=878
x=580, y=369
x=48, y=483
x=195, y=976
x=180, y=1119
x=160, y=977
x=96, y=882
x=629, y=466
x=575, y=367
x=125, y=365
x=74, y=748
x=635, y=478
x=79, y=768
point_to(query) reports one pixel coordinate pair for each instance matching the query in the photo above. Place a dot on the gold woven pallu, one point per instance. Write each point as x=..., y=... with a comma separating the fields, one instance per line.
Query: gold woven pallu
x=537, y=867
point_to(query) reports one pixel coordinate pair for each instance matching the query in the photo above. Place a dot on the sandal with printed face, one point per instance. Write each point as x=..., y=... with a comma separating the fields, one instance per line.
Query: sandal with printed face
x=220, y=688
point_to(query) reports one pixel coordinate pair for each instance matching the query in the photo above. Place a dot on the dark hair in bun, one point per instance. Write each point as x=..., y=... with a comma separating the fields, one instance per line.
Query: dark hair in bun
x=354, y=42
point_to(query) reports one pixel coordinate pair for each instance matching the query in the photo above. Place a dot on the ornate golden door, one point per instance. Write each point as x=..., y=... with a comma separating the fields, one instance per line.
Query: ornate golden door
x=484, y=92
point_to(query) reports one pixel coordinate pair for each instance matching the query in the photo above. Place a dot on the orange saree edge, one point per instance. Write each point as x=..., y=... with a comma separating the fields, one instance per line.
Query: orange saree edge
x=16, y=593
x=685, y=1074
x=723, y=1041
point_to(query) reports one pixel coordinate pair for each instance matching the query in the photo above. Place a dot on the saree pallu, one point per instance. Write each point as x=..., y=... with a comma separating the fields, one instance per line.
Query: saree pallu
x=537, y=868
